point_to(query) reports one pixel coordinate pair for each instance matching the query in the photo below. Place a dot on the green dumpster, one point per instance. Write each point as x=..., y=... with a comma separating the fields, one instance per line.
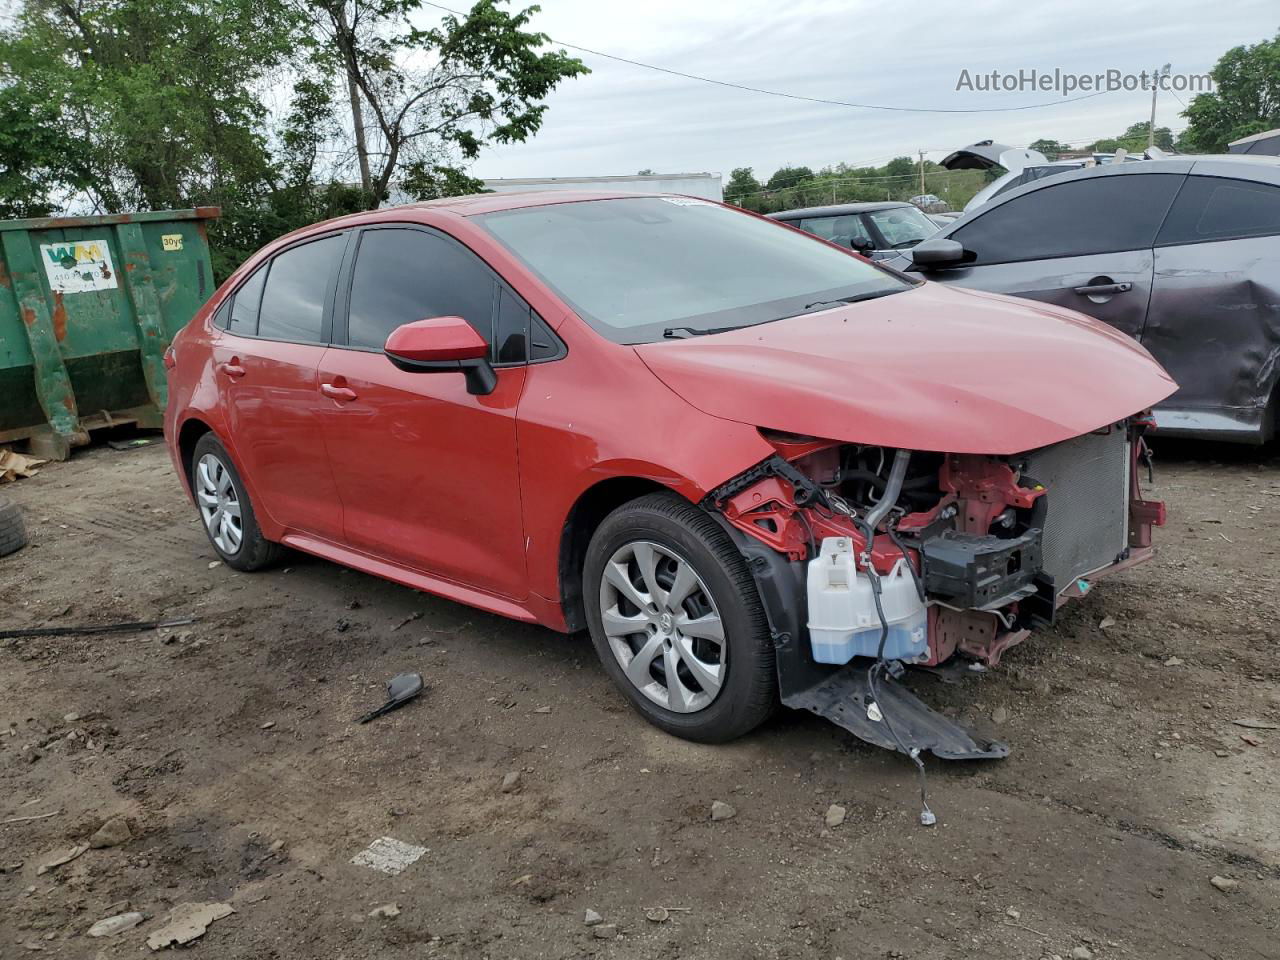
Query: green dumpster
x=87, y=307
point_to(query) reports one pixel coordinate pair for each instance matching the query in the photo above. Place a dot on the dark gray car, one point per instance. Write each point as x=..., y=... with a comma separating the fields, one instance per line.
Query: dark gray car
x=1182, y=254
x=877, y=229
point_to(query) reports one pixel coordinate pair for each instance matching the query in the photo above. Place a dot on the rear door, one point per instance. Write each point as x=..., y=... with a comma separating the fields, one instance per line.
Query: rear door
x=427, y=472
x=1085, y=244
x=1214, y=321
x=265, y=362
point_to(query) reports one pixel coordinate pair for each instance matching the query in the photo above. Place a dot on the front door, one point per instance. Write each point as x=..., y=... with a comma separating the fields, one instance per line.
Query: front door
x=427, y=472
x=1085, y=244
x=265, y=364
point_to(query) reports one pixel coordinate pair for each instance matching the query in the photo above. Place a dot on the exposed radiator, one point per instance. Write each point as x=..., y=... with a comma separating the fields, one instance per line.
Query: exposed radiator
x=1086, y=525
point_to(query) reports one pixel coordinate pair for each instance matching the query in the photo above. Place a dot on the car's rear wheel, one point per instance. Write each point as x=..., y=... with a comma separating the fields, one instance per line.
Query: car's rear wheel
x=225, y=509
x=676, y=620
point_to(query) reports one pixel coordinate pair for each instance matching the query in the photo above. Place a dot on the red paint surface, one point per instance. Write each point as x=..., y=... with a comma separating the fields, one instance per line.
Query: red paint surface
x=416, y=480
x=934, y=368
x=437, y=338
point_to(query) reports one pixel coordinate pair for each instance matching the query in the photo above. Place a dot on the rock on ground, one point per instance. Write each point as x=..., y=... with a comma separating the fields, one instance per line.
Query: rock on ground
x=722, y=811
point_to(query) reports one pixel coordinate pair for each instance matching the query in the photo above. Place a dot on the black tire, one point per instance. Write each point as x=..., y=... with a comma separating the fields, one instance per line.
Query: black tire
x=749, y=690
x=254, y=551
x=13, y=532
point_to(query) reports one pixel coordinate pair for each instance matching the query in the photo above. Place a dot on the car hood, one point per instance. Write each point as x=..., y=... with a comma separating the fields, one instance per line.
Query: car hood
x=932, y=368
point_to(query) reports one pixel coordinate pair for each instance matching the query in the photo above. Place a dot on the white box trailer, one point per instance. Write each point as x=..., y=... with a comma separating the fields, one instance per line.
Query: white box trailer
x=705, y=185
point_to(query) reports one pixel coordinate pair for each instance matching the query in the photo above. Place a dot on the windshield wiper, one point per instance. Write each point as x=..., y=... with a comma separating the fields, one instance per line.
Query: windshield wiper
x=683, y=333
x=858, y=298
x=823, y=303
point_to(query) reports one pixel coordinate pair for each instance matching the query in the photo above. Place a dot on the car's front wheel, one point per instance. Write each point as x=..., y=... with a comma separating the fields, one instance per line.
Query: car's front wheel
x=225, y=509
x=676, y=620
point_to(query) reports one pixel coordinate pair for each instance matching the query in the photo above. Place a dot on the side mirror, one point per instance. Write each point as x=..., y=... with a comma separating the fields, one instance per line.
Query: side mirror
x=939, y=252
x=443, y=344
x=862, y=245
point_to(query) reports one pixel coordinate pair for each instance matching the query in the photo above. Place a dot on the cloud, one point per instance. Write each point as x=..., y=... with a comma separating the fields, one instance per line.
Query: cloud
x=622, y=118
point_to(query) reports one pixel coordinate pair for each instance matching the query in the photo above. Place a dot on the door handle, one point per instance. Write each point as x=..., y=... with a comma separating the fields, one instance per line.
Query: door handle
x=1103, y=289
x=232, y=369
x=337, y=393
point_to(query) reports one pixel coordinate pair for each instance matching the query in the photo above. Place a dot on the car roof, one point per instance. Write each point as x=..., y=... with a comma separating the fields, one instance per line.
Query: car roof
x=1261, y=169
x=475, y=204
x=838, y=209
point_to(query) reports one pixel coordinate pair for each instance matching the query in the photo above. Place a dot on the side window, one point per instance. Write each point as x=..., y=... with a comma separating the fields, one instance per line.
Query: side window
x=818, y=226
x=1216, y=208
x=842, y=230
x=293, y=301
x=511, y=328
x=543, y=344
x=1103, y=214
x=222, y=316
x=244, y=305
x=403, y=275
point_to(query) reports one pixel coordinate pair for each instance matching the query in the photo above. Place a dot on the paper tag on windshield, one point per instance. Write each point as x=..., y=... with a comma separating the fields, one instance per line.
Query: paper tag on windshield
x=687, y=202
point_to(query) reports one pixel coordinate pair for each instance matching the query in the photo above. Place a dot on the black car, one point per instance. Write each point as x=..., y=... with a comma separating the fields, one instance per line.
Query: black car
x=878, y=230
x=1182, y=254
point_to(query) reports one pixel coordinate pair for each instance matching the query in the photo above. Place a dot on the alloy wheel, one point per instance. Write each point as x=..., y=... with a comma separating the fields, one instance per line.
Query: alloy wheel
x=219, y=504
x=663, y=626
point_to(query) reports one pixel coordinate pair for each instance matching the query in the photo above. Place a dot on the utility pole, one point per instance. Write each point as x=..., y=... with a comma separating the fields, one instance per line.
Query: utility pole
x=922, y=171
x=1155, y=88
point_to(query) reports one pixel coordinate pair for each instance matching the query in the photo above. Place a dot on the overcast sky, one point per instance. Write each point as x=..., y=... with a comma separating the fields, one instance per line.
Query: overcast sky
x=620, y=118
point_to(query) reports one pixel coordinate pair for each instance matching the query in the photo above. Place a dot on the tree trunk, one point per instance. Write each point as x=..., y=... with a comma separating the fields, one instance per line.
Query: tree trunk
x=347, y=41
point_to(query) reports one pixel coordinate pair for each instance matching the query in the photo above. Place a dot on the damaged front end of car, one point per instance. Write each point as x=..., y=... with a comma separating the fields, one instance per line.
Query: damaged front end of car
x=872, y=562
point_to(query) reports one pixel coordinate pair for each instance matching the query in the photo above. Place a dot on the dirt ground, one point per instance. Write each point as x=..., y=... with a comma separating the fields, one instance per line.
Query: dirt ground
x=229, y=746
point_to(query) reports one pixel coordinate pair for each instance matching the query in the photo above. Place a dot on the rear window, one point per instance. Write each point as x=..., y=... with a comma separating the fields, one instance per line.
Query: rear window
x=1216, y=208
x=635, y=268
x=294, y=299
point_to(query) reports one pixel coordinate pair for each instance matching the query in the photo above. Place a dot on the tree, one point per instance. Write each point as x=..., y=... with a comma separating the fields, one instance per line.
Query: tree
x=423, y=100
x=646, y=172
x=38, y=156
x=153, y=98
x=788, y=177
x=1134, y=139
x=1246, y=101
x=901, y=167
x=742, y=184
x=1051, y=149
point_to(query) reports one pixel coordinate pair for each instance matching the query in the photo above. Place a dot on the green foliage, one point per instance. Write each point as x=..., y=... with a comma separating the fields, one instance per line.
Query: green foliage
x=37, y=155
x=1246, y=101
x=430, y=182
x=484, y=83
x=742, y=185
x=1134, y=139
x=793, y=187
x=1051, y=149
x=788, y=177
x=125, y=105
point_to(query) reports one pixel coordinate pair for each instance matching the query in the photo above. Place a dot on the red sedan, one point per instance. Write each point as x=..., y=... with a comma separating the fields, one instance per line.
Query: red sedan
x=752, y=464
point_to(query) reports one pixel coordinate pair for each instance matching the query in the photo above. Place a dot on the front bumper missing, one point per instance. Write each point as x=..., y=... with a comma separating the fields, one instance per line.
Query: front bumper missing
x=843, y=695
x=845, y=698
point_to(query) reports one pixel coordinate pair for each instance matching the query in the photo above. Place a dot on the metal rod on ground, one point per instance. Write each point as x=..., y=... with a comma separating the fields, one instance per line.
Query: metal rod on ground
x=136, y=626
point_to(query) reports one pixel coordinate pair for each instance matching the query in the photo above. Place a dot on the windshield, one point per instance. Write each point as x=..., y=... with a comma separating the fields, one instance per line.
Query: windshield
x=903, y=227
x=635, y=268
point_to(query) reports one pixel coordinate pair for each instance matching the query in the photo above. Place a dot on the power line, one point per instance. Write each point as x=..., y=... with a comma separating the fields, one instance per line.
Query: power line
x=795, y=96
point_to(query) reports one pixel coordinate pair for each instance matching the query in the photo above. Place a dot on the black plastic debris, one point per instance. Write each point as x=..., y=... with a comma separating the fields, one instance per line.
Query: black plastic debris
x=400, y=690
